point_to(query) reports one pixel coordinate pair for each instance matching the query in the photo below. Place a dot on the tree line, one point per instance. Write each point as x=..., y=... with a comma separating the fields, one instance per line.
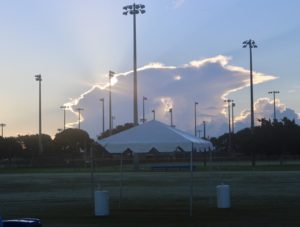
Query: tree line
x=66, y=147
x=70, y=147
x=275, y=138
x=268, y=140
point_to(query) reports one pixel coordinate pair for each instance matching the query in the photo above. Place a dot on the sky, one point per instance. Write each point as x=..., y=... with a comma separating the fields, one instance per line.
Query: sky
x=187, y=51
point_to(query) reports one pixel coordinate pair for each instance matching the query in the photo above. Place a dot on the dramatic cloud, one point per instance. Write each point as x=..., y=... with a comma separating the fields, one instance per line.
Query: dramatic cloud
x=264, y=108
x=206, y=81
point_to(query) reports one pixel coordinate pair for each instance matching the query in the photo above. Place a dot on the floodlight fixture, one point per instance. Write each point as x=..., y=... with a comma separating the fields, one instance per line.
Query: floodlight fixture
x=38, y=77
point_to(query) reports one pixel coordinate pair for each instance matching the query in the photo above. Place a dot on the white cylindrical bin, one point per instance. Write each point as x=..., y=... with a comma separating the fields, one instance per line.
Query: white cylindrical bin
x=223, y=196
x=101, y=203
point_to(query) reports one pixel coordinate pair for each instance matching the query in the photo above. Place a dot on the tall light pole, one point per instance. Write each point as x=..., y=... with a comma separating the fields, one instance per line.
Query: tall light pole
x=229, y=123
x=171, y=114
x=251, y=45
x=274, y=102
x=112, y=120
x=144, y=99
x=229, y=117
x=79, y=114
x=134, y=10
x=111, y=74
x=199, y=132
x=102, y=100
x=64, y=108
x=39, y=79
x=2, y=125
x=196, y=103
x=232, y=116
x=153, y=111
x=204, y=130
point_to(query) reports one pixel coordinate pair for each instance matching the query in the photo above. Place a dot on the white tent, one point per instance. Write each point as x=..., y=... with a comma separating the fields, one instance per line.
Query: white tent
x=153, y=134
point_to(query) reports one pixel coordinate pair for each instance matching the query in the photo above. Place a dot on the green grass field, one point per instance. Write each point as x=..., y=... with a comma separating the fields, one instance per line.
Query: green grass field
x=63, y=198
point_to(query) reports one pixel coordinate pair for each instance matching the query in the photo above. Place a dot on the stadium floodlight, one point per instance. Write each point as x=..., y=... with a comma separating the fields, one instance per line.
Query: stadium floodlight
x=64, y=108
x=2, y=125
x=229, y=101
x=110, y=75
x=144, y=99
x=79, y=114
x=274, y=100
x=232, y=116
x=153, y=111
x=251, y=44
x=102, y=100
x=195, y=125
x=134, y=10
x=39, y=79
x=171, y=114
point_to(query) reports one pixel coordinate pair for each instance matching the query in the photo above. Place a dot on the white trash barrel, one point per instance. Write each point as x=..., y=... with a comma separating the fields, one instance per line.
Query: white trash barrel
x=223, y=196
x=101, y=203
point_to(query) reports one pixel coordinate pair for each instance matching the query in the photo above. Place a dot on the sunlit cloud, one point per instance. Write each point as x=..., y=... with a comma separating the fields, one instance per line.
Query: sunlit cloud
x=221, y=59
x=167, y=103
x=177, y=77
x=264, y=108
x=208, y=81
x=154, y=65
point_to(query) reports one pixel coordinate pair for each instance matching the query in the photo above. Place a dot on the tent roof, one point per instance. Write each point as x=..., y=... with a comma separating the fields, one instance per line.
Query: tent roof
x=153, y=134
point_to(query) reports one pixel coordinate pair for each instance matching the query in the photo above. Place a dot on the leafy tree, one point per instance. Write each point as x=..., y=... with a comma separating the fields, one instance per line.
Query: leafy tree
x=30, y=144
x=71, y=141
x=271, y=138
x=10, y=148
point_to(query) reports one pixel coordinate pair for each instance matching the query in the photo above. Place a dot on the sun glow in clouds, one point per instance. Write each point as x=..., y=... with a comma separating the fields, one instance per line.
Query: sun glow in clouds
x=177, y=77
x=209, y=81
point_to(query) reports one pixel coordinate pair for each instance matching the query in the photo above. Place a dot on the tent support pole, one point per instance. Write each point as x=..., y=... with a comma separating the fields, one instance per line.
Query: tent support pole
x=121, y=180
x=191, y=180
